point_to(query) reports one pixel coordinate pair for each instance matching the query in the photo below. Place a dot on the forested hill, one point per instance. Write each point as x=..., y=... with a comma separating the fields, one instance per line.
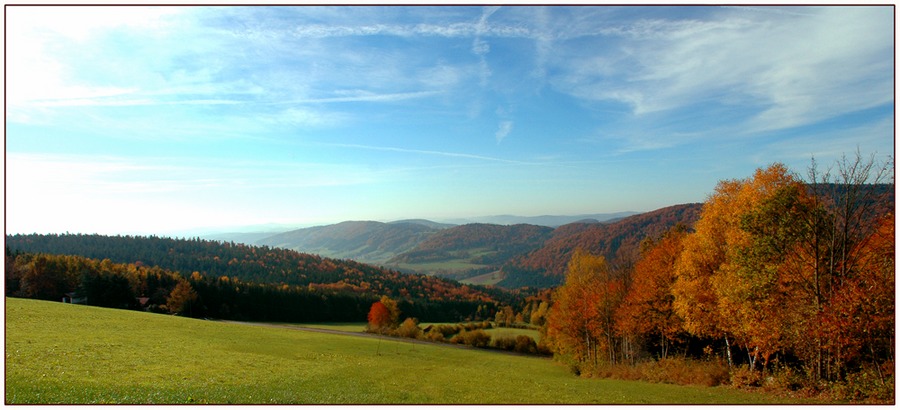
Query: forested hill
x=495, y=242
x=365, y=241
x=617, y=242
x=257, y=264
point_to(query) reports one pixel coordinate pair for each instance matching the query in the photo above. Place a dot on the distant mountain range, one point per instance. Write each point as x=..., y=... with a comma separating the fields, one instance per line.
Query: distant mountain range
x=380, y=242
x=552, y=221
x=252, y=235
x=363, y=241
x=511, y=250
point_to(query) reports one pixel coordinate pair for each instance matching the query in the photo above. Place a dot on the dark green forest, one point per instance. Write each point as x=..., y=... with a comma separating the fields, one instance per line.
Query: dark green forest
x=224, y=280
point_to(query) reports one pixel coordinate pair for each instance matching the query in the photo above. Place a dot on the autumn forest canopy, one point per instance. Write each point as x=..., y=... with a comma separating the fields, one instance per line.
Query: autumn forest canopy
x=783, y=275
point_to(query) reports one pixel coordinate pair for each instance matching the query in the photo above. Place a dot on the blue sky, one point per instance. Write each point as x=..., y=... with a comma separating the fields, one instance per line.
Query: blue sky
x=166, y=119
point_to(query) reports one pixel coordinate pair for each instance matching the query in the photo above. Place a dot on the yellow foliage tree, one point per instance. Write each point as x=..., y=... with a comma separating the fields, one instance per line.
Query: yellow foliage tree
x=181, y=298
x=581, y=320
x=731, y=281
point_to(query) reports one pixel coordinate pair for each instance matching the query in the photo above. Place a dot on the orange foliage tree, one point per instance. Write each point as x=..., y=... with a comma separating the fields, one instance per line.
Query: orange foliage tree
x=858, y=323
x=379, y=317
x=581, y=321
x=647, y=311
x=730, y=282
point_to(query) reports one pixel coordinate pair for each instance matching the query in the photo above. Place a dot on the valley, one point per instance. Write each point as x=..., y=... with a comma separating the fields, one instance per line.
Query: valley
x=502, y=250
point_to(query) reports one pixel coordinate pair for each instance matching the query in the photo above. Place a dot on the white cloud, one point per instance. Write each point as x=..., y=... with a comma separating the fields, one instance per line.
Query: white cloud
x=39, y=37
x=362, y=96
x=795, y=68
x=504, y=130
x=431, y=152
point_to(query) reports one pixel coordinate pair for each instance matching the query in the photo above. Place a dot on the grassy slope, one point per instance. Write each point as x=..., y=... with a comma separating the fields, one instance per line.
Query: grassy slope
x=58, y=353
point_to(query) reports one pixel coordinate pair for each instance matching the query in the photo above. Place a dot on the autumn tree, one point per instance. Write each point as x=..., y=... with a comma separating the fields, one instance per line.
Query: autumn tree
x=539, y=315
x=837, y=252
x=181, y=298
x=379, y=317
x=42, y=277
x=393, y=309
x=647, y=311
x=857, y=326
x=777, y=265
x=581, y=320
x=722, y=288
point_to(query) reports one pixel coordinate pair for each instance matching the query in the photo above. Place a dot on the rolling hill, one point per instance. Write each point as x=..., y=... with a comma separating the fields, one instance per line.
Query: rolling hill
x=219, y=264
x=363, y=241
x=620, y=241
x=482, y=243
x=470, y=250
x=552, y=221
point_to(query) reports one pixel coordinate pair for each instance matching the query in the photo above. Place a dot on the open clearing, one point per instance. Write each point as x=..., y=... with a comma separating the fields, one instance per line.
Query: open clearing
x=70, y=354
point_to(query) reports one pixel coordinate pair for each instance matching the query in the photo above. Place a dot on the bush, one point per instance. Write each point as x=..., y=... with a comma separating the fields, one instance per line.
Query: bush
x=504, y=343
x=435, y=335
x=409, y=328
x=745, y=377
x=785, y=379
x=672, y=371
x=865, y=386
x=447, y=330
x=525, y=344
x=475, y=338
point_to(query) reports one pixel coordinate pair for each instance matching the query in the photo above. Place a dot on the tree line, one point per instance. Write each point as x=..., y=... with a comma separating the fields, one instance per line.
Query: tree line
x=779, y=275
x=229, y=281
x=257, y=264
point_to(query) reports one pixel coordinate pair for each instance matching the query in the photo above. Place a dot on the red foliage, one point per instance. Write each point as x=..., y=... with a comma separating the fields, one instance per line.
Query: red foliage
x=379, y=316
x=612, y=241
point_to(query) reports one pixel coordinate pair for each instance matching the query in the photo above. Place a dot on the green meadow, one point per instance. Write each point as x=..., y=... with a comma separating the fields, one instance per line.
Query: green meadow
x=71, y=354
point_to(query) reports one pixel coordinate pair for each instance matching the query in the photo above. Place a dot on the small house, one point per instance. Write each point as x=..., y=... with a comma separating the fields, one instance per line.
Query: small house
x=74, y=298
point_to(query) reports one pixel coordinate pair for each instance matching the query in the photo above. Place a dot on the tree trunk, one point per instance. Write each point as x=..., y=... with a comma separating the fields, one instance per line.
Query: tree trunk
x=728, y=350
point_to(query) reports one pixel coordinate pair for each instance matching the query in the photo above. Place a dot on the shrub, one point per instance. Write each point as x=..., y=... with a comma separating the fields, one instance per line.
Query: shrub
x=785, y=378
x=447, y=330
x=434, y=335
x=673, y=371
x=409, y=328
x=525, y=344
x=745, y=377
x=504, y=343
x=865, y=386
x=475, y=338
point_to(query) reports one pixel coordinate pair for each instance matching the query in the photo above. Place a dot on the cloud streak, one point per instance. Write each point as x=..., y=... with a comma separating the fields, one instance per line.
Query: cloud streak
x=742, y=59
x=430, y=152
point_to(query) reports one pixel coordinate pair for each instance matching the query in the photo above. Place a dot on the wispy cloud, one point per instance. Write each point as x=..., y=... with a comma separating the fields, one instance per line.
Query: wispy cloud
x=503, y=131
x=451, y=30
x=580, y=91
x=362, y=96
x=429, y=152
x=745, y=60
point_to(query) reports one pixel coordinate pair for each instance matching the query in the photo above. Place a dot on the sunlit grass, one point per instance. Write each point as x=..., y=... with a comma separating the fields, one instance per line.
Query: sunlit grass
x=59, y=353
x=343, y=327
x=513, y=332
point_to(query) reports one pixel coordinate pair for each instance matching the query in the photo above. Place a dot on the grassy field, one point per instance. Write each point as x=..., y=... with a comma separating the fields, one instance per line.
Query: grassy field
x=344, y=327
x=450, y=265
x=491, y=278
x=69, y=354
x=513, y=332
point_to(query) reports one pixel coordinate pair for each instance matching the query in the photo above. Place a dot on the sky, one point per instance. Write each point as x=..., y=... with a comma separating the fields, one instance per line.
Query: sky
x=164, y=119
